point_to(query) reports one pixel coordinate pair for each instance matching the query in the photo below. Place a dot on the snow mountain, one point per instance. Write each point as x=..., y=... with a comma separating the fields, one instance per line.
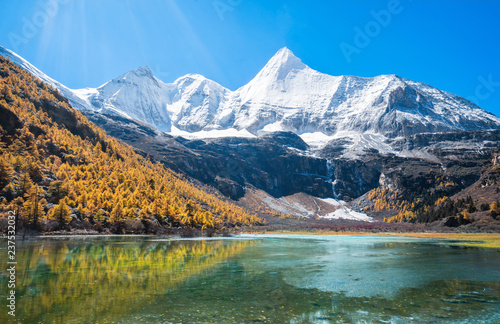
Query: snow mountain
x=136, y=94
x=190, y=103
x=286, y=95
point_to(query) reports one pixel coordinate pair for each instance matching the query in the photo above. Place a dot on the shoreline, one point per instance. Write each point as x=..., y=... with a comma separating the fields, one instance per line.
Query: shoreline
x=483, y=240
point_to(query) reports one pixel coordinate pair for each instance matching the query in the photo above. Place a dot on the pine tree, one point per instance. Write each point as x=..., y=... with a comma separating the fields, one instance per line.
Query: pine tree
x=34, y=205
x=25, y=183
x=58, y=189
x=61, y=212
x=117, y=214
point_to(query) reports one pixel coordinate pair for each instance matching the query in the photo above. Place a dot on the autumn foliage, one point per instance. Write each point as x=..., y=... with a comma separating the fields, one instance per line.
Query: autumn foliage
x=55, y=164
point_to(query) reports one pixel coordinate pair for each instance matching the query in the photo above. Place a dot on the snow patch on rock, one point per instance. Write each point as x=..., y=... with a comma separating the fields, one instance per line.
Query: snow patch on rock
x=347, y=213
x=344, y=212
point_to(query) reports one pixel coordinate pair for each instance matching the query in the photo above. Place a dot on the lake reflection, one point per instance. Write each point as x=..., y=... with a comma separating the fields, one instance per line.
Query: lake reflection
x=256, y=279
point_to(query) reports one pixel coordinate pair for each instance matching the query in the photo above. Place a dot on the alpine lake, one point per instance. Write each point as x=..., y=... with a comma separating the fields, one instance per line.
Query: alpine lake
x=252, y=279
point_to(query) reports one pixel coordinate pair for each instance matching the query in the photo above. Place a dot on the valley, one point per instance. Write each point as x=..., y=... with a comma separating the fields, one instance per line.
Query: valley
x=379, y=150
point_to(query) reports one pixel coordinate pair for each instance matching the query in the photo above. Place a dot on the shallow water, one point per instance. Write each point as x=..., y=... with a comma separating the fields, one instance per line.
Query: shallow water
x=253, y=279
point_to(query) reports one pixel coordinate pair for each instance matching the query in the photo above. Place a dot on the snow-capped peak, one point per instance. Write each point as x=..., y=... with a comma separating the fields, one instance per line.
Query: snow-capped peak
x=142, y=71
x=136, y=76
x=280, y=65
x=285, y=58
x=193, y=78
x=288, y=95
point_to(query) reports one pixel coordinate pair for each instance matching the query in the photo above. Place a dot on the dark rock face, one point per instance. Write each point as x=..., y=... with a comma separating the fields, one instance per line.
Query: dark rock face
x=281, y=163
x=451, y=222
x=352, y=178
x=423, y=179
x=271, y=162
x=267, y=163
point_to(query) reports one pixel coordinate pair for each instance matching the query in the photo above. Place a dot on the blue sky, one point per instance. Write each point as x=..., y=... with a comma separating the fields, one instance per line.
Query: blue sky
x=453, y=45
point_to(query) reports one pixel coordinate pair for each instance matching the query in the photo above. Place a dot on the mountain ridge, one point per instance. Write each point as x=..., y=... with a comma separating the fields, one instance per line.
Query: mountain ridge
x=286, y=95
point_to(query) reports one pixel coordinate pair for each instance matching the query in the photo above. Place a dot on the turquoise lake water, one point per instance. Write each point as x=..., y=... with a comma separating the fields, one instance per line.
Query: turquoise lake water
x=252, y=279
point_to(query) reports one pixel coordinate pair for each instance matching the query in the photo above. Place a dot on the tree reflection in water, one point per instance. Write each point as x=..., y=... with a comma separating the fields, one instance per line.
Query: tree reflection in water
x=65, y=282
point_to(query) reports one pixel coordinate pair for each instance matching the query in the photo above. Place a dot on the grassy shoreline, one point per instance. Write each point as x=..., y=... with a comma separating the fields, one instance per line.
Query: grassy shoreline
x=485, y=240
